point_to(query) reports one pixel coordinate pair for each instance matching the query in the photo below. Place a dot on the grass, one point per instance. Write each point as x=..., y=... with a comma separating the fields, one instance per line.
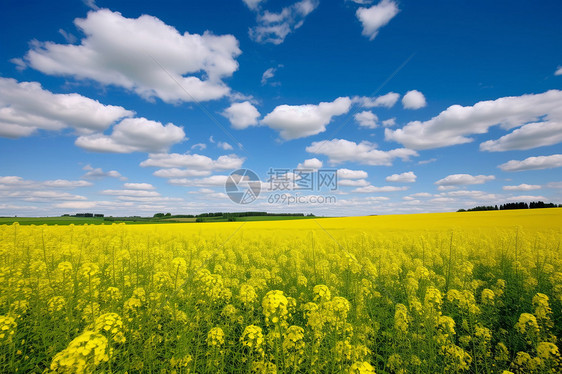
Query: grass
x=51, y=221
x=101, y=221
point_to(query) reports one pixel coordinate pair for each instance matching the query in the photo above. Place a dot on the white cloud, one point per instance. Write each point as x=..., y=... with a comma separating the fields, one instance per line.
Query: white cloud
x=453, y=125
x=464, y=179
x=242, y=115
x=389, y=122
x=193, y=161
x=98, y=173
x=69, y=37
x=352, y=174
x=26, y=107
x=446, y=188
x=533, y=163
x=180, y=173
x=200, y=146
x=373, y=189
x=407, y=177
x=353, y=182
x=388, y=100
x=76, y=205
x=274, y=27
x=477, y=195
x=41, y=196
x=522, y=187
x=134, y=135
x=224, y=145
x=311, y=163
x=298, y=121
x=143, y=55
x=91, y=4
x=131, y=193
x=558, y=71
x=529, y=136
x=413, y=100
x=425, y=162
x=252, y=4
x=267, y=75
x=377, y=16
x=63, y=183
x=366, y=119
x=138, y=186
x=341, y=150
x=214, y=180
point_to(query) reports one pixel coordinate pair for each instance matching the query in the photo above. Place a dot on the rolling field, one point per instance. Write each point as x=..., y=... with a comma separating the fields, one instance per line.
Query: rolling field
x=474, y=292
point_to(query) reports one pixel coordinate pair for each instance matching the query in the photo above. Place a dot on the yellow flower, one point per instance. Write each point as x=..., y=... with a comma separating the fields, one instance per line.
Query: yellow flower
x=7, y=329
x=527, y=324
x=274, y=306
x=252, y=337
x=433, y=297
x=487, y=296
x=361, y=367
x=321, y=293
x=215, y=337
x=401, y=318
x=83, y=355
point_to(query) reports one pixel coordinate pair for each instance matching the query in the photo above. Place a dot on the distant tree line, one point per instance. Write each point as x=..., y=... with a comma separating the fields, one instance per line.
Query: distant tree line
x=84, y=215
x=227, y=215
x=509, y=206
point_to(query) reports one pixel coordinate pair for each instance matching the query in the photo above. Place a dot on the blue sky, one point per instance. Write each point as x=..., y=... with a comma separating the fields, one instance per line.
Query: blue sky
x=134, y=108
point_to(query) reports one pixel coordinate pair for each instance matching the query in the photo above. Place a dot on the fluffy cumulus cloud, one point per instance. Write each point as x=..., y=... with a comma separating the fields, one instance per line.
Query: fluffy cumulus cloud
x=558, y=71
x=311, y=163
x=274, y=27
x=533, y=163
x=522, y=187
x=192, y=161
x=388, y=100
x=134, y=135
x=138, y=186
x=26, y=107
x=377, y=16
x=341, y=150
x=464, y=179
x=532, y=135
x=352, y=174
x=456, y=124
x=366, y=119
x=224, y=145
x=407, y=177
x=98, y=173
x=413, y=100
x=389, y=122
x=299, y=121
x=242, y=115
x=143, y=55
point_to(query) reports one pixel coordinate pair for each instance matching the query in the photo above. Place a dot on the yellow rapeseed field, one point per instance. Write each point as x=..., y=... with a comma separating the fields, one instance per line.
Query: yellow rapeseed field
x=474, y=292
